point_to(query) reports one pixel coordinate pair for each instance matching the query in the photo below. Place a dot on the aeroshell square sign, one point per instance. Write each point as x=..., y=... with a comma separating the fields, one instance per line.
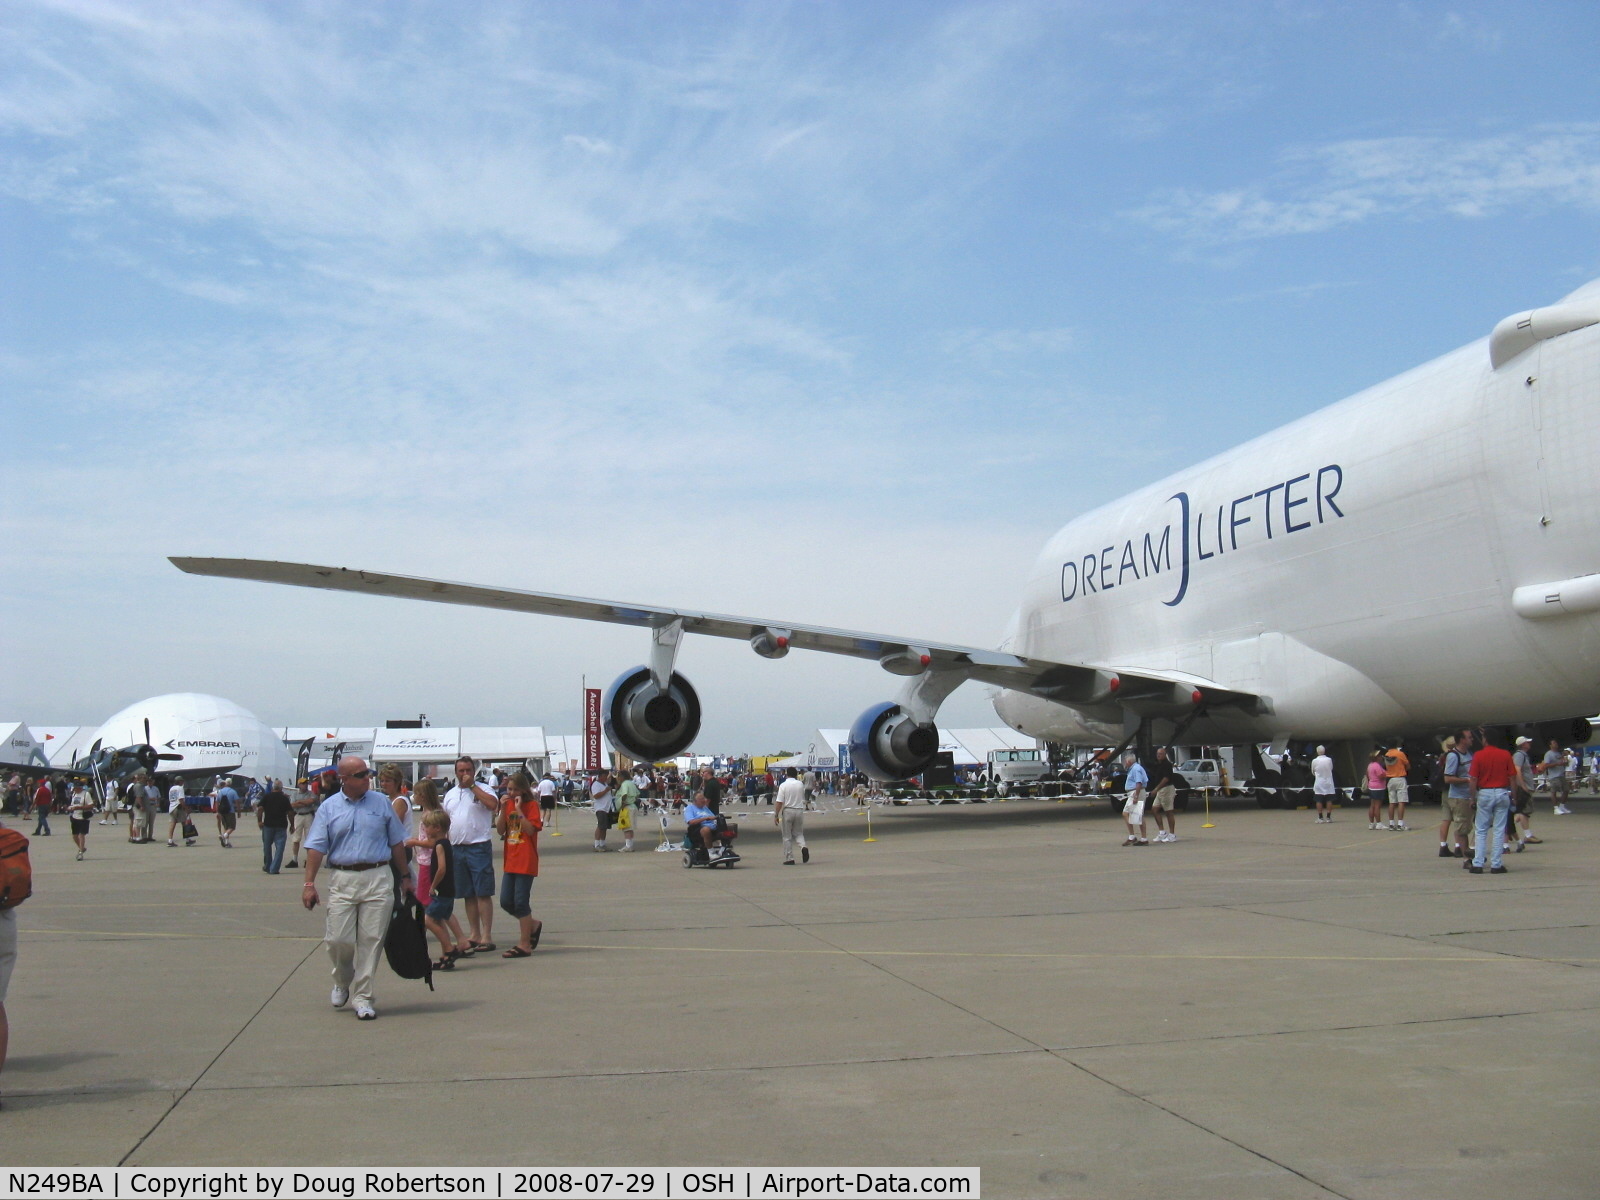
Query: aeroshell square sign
x=416, y=745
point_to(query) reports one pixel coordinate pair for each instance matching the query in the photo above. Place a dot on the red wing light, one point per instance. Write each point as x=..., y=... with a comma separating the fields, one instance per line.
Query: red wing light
x=926, y=659
x=783, y=643
x=1116, y=682
x=1196, y=696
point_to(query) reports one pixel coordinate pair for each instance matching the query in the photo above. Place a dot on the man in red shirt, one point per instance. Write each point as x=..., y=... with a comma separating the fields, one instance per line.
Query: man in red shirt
x=43, y=800
x=1491, y=772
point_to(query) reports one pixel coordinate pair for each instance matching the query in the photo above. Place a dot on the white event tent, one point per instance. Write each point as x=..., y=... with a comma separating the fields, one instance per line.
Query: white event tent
x=426, y=750
x=19, y=748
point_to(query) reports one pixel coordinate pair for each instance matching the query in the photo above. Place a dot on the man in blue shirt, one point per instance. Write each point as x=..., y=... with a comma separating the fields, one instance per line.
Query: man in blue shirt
x=1137, y=782
x=701, y=825
x=358, y=835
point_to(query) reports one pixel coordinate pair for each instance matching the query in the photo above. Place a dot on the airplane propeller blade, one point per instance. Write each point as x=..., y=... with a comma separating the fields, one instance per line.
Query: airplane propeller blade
x=147, y=731
x=170, y=757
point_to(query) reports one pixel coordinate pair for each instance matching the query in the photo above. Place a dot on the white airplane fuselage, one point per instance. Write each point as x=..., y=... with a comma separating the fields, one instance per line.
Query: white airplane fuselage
x=1355, y=568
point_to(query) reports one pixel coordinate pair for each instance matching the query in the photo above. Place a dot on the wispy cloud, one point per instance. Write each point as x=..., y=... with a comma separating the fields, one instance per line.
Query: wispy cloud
x=481, y=291
x=1348, y=182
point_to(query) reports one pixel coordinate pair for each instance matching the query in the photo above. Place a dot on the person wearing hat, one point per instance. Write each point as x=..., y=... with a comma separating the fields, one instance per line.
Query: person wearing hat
x=1523, y=784
x=302, y=807
x=1456, y=803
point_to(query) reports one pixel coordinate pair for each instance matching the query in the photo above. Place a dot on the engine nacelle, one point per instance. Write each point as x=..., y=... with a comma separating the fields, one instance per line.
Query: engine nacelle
x=886, y=744
x=771, y=643
x=647, y=723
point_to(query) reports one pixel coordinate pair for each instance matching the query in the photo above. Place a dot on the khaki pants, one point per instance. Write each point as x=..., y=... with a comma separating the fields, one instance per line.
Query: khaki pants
x=1458, y=811
x=792, y=823
x=299, y=826
x=359, y=906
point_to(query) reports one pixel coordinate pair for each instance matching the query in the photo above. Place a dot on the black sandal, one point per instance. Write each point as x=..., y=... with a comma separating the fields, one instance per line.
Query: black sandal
x=447, y=963
x=538, y=931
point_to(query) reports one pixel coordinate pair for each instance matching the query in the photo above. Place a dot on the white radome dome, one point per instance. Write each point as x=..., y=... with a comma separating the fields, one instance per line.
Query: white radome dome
x=206, y=730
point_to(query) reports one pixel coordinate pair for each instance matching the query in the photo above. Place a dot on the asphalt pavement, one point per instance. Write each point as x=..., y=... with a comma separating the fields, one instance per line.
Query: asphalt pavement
x=1266, y=1008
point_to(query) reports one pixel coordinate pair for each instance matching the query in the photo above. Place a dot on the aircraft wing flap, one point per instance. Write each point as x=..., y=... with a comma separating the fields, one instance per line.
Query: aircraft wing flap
x=1065, y=683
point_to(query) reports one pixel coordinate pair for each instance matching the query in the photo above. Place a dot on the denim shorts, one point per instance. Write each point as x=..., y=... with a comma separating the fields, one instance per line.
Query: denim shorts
x=514, y=893
x=474, y=869
x=441, y=907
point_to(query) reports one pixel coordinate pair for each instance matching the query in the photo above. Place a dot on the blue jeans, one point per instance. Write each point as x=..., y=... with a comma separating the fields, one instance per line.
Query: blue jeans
x=515, y=891
x=272, y=841
x=1494, y=805
x=41, y=824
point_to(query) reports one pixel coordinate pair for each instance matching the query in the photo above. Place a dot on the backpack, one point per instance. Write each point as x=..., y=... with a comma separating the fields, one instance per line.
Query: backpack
x=16, y=872
x=1436, y=776
x=405, y=946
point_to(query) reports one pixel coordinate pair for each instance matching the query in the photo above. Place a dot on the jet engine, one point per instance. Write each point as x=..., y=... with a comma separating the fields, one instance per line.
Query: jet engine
x=649, y=723
x=887, y=744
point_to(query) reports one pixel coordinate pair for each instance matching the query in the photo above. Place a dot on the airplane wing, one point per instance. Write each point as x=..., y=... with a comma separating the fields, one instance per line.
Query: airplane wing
x=89, y=775
x=1073, y=684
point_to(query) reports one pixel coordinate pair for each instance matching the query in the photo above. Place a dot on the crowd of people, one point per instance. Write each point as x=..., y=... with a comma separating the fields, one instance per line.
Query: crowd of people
x=440, y=850
x=1486, y=793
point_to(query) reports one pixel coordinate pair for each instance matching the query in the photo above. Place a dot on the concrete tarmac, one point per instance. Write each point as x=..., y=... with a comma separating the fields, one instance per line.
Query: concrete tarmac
x=1269, y=1008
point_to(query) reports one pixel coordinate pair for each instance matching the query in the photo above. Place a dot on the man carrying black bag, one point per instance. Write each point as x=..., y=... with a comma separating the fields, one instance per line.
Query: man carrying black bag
x=405, y=946
x=362, y=841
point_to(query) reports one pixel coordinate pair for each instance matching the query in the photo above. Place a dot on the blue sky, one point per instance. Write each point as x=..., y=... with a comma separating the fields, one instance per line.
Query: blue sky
x=828, y=312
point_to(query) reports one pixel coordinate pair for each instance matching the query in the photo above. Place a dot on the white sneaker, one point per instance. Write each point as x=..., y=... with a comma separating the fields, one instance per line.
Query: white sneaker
x=365, y=1011
x=1172, y=837
x=627, y=847
x=339, y=997
x=1563, y=811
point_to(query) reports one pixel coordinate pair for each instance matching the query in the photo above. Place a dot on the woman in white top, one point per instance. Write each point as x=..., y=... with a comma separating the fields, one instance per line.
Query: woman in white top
x=392, y=783
x=79, y=809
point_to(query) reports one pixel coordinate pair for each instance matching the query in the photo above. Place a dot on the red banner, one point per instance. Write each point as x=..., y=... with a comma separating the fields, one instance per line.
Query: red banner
x=591, y=729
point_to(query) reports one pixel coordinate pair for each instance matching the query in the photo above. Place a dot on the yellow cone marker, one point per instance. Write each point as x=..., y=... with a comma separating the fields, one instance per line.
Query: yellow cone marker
x=869, y=837
x=1208, y=824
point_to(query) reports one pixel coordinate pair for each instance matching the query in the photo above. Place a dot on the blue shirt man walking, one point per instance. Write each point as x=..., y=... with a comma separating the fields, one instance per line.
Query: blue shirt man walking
x=358, y=836
x=1135, y=785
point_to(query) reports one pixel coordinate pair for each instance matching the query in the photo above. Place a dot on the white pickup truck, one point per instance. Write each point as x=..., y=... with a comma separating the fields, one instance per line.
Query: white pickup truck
x=1017, y=766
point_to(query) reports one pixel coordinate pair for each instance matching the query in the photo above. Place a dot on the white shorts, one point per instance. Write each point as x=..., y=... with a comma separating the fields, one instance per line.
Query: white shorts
x=8, y=948
x=1133, y=811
